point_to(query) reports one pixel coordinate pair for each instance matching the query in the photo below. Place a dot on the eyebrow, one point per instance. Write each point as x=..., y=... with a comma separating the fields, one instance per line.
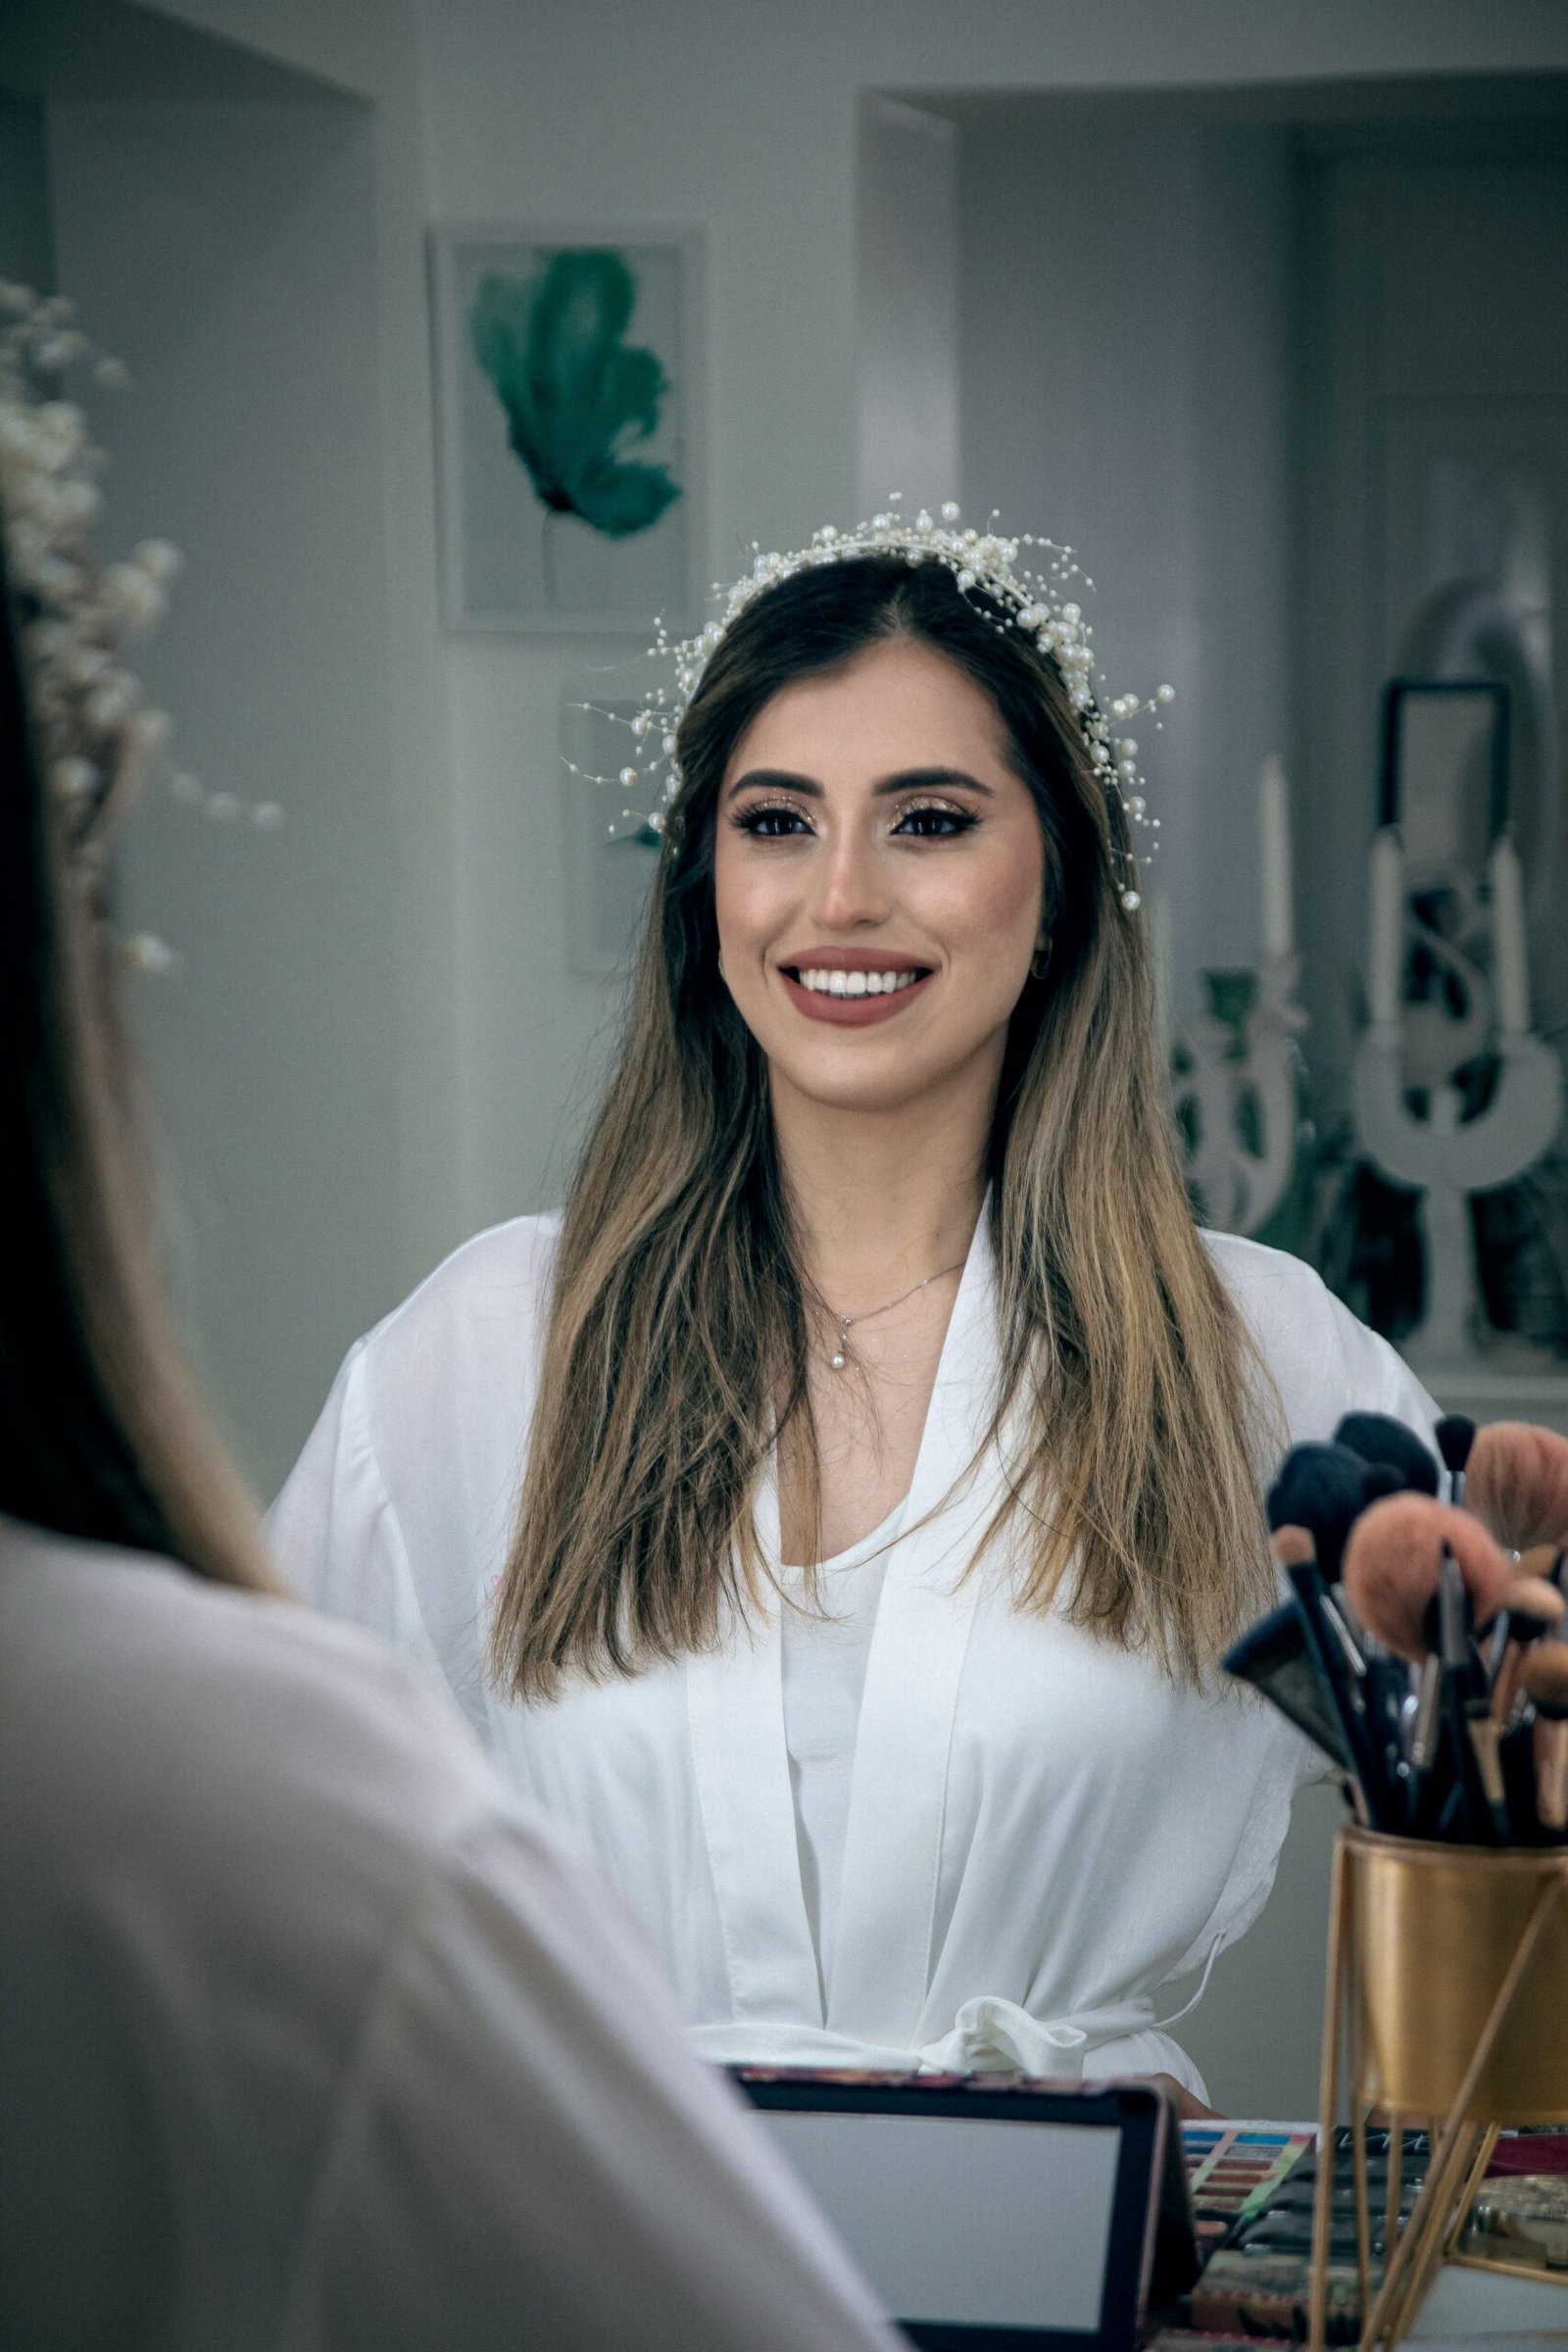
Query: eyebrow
x=905, y=779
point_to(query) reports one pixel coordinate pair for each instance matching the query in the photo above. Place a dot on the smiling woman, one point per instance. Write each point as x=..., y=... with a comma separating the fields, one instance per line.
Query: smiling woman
x=891, y=1438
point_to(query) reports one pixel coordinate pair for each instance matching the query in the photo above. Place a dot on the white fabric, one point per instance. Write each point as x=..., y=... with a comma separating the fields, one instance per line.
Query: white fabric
x=824, y=1650
x=1042, y=1831
x=312, y=2037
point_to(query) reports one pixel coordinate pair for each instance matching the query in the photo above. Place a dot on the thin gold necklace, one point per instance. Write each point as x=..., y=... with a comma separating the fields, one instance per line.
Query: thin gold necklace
x=841, y=1355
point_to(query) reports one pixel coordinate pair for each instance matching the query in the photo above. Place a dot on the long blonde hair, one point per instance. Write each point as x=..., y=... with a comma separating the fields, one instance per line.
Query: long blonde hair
x=1134, y=1406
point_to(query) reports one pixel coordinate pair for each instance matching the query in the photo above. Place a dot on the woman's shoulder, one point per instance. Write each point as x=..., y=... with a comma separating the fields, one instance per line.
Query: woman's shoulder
x=1324, y=1362
x=492, y=1278
x=298, y=1717
x=473, y=1324
x=397, y=1510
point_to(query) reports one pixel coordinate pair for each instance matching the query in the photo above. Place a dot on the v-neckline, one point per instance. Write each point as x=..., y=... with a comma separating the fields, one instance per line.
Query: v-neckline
x=892, y=1847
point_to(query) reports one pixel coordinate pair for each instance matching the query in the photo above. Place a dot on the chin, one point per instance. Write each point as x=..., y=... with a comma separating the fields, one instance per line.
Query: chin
x=884, y=1081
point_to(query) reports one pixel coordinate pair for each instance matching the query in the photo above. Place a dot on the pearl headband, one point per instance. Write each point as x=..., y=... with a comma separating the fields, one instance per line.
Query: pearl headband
x=1034, y=603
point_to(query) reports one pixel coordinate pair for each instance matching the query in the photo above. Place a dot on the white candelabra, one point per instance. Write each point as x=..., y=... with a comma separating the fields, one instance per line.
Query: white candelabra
x=1443, y=1155
x=1240, y=1165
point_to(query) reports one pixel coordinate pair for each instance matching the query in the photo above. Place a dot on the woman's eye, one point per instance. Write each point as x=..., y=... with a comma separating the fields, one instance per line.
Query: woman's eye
x=933, y=820
x=772, y=825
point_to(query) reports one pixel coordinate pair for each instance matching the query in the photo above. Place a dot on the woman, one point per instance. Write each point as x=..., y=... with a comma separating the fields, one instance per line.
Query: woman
x=892, y=1443
x=308, y=2036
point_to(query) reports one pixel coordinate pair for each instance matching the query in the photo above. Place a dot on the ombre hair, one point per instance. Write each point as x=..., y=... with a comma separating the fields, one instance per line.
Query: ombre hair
x=1131, y=1410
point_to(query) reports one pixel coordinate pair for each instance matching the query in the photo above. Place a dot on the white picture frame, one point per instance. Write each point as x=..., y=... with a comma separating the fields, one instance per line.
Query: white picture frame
x=518, y=556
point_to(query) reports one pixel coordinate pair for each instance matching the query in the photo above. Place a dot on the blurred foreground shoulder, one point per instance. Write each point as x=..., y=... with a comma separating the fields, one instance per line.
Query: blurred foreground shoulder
x=317, y=2037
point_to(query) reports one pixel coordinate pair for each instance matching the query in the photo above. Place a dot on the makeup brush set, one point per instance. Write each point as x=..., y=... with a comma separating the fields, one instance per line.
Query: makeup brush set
x=1424, y=1647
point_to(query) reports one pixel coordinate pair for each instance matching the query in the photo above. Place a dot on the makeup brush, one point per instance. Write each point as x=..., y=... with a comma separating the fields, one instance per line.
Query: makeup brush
x=1518, y=1484
x=1379, y=1439
x=1545, y=1676
x=1455, y=1435
x=1415, y=1570
x=1531, y=1610
x=1323, y=1489
x=1273, y=1656
x=1393, y=1569
x=1516, y=1754
x=1465, y=1703
x=1333, y=1652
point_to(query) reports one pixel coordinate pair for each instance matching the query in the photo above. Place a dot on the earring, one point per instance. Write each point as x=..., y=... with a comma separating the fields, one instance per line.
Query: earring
x=1039, y=961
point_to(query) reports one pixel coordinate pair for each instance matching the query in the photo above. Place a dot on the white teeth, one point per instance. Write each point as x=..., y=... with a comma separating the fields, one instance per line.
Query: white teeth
x=823, y=983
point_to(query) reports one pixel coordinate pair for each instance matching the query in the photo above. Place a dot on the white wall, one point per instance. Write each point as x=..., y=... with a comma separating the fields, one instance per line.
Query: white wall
x=248, y=236
x=1125, y=276
x=252, y=440
x=908, y=276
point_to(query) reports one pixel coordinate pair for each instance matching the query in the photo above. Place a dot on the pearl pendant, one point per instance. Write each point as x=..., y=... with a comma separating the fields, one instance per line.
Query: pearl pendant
x=837, y=1362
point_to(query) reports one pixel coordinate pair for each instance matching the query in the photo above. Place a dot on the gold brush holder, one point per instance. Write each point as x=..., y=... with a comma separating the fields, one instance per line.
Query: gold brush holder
x=1448, y=2000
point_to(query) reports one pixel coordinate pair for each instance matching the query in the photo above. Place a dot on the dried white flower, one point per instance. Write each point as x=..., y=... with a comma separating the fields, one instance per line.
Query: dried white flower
x=99, y=739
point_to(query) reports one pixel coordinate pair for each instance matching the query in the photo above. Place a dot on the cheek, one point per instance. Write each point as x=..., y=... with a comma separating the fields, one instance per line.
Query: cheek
x=995, y=896
x=750, y=896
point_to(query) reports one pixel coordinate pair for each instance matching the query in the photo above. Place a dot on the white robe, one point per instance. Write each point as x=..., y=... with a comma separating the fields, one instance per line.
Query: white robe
x=312, y=2039
x=1044, y=1830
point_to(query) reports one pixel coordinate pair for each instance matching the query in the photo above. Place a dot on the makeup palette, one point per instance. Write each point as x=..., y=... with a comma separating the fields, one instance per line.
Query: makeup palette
x=1253, y=2186
x=1234, y=2169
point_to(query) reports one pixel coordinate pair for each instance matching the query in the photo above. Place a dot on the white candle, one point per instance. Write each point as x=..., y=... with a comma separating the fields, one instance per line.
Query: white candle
x=1387, y=988
x=1510, y=979
x=1274, y=858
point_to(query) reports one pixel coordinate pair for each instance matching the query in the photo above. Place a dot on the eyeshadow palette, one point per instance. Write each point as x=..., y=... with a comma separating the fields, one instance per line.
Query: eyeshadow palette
x=1253, y=2186
x=1234, y=2169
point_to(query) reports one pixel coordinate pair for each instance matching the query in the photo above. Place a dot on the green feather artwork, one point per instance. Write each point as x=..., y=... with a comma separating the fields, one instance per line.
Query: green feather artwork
x=578, y=398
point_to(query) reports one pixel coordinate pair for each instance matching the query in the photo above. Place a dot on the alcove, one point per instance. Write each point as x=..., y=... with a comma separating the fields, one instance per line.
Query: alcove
x=1288, y=365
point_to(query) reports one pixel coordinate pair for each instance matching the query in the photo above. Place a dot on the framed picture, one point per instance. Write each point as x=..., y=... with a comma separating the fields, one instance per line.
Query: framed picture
x=567, y=374
x=610, y=856
x=1445, y=776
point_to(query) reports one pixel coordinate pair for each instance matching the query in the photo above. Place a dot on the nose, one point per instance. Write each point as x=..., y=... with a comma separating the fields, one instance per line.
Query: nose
x=851, y=882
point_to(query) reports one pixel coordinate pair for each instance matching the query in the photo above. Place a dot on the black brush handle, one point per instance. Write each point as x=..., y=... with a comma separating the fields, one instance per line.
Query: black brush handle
x=1306, y=1581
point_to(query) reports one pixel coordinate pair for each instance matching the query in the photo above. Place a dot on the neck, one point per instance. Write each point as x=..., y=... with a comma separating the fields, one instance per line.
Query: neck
x=881, y=1200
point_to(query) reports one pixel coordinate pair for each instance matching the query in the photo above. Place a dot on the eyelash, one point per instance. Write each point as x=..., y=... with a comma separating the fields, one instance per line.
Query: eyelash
x=754, y=820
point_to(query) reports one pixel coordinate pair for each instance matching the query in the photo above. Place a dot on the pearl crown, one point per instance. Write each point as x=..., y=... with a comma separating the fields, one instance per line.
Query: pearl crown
x=1036, y=601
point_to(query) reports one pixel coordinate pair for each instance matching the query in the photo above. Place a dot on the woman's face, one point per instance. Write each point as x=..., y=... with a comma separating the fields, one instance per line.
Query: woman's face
x=879, y=878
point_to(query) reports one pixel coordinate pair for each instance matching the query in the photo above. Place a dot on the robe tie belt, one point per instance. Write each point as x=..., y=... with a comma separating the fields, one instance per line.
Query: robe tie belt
x=989, y=2037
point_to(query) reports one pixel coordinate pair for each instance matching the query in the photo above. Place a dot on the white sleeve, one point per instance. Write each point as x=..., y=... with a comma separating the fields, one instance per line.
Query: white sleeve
x=528, y=2153
x=1371, y=1377
x=335, y=1535
x=1324, y=1362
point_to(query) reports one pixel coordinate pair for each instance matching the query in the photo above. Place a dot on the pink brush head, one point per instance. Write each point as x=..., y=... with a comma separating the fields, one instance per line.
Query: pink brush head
x=1517, y=1484
x=1534, y=1607
x=1544, y=1674
x=1393, y=1562
x=1293, y=1546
